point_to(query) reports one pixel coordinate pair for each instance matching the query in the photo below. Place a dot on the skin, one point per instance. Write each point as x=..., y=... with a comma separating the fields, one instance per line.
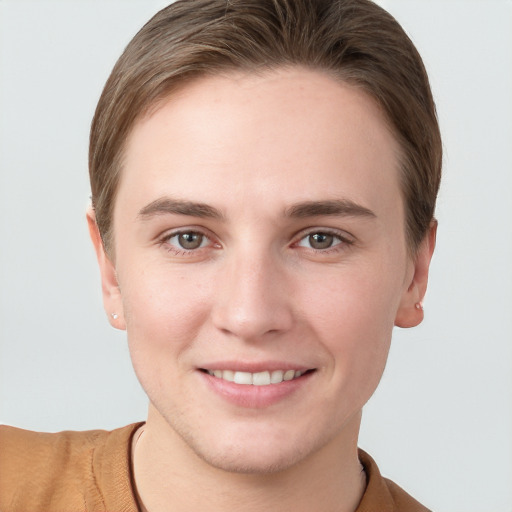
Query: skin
x=260, y=289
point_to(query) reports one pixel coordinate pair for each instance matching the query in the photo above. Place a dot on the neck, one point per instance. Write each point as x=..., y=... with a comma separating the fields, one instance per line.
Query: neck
x=169, y=476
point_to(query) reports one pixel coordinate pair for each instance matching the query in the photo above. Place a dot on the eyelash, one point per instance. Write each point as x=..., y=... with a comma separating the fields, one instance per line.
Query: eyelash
x=176, y=251
x=343, y=241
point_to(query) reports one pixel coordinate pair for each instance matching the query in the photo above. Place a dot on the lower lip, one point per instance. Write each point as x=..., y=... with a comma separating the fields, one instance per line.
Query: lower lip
x=255, y=397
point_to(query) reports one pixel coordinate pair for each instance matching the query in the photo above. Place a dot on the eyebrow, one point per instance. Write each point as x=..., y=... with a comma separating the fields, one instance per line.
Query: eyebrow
x=167, y=205
x=336, y=207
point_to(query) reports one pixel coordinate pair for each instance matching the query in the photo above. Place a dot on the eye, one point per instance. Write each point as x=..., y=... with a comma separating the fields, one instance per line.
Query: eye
x=323, y=240
x=188, y=240
x=319, y=241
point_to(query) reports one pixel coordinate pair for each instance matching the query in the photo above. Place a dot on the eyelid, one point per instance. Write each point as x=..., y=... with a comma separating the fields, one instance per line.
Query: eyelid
x=340, y=233
x=163, y=240
x=346, y=239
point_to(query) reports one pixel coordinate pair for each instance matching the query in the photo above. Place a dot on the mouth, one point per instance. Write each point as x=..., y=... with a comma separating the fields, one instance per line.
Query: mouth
x=263, y=378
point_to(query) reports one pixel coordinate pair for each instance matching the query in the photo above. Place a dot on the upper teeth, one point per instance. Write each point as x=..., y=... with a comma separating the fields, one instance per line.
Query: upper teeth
x=257, y=379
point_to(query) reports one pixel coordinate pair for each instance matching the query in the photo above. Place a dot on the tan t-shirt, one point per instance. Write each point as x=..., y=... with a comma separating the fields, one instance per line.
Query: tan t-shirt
x=91, y=471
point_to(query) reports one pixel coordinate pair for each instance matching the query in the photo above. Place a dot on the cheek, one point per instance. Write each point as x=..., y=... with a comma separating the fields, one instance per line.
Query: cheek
x=354, y=317
x=164, y=310
x=360, y=298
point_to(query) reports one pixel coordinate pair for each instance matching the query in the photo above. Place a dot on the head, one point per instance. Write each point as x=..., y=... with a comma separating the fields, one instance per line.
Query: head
x=264, y=175
x=355, y=41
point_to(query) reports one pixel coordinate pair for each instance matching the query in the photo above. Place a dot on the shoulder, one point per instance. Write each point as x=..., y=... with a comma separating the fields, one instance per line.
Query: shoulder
x=403, y=500
x=42, y=471
x=383, y=495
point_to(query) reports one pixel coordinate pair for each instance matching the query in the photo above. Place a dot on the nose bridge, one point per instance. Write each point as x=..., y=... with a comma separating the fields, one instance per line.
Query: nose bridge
x=252, y=298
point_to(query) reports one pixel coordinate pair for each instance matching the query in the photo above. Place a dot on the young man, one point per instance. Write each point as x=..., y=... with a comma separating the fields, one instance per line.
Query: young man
x=264, y=176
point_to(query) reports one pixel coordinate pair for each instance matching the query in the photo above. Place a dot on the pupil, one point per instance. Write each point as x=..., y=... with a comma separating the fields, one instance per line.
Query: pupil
x=321, y=240
x=190, y=240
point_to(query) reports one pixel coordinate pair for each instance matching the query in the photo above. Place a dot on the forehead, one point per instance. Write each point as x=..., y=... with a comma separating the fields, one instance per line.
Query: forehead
x=254, y=131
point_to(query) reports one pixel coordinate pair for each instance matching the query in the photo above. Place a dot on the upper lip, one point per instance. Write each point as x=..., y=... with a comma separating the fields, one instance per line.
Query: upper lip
x=255, y=367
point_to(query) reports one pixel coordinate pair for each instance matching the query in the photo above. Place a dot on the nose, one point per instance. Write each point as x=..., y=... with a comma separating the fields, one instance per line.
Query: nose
x=252, y=299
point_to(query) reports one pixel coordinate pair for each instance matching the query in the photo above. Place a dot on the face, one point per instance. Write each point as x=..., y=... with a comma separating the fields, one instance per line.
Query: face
x=260, y=264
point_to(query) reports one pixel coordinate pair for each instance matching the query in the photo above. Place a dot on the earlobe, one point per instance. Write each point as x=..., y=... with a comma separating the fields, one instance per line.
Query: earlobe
x=112, y=300
x=410, y=312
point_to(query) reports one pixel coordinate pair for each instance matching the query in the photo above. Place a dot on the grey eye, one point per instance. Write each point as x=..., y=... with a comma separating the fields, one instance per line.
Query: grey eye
x=190, y=240
x=321, y=240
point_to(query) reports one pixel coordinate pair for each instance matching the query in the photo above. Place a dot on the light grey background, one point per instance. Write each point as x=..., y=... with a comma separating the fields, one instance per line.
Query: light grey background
x=440, y=423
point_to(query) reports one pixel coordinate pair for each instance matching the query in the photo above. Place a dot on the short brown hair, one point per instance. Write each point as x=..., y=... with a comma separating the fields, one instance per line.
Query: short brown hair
x=354, y=40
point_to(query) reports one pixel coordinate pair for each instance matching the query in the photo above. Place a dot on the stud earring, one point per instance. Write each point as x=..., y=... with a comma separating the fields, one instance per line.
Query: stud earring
x=115, y=316
x=419, y=306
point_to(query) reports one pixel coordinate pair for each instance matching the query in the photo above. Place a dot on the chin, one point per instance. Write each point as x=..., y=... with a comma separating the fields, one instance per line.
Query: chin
x=242, y=460
x=252, y=450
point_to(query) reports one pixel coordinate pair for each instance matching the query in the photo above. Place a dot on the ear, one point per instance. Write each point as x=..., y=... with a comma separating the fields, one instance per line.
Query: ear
x=410, y=311
x=112, y=300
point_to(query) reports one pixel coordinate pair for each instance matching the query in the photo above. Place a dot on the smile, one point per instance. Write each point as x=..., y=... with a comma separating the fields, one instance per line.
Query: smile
x=264, y=378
